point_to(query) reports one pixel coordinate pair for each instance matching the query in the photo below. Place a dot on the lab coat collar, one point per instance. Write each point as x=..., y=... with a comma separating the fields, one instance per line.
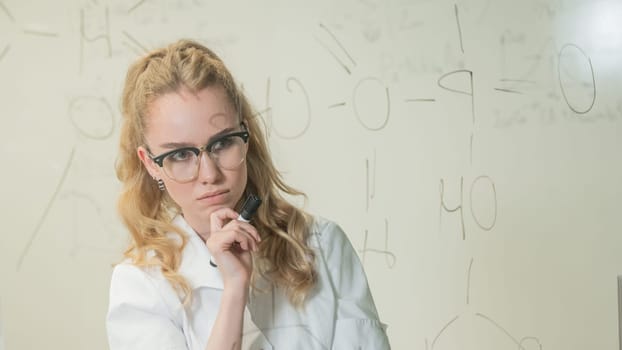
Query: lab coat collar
x=195, y=266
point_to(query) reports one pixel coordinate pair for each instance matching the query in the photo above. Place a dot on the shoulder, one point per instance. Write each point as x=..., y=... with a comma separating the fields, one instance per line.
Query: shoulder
x=321, y=226
x=140, y=286
x=324, y=229
x=328, y=236
x=127, y=272
x=142, y=304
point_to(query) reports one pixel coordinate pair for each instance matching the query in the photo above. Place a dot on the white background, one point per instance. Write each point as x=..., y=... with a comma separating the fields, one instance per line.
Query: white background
x=392, y=128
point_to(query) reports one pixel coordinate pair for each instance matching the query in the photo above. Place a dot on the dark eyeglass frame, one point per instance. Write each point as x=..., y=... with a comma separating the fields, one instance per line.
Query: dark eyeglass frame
x=244, y=135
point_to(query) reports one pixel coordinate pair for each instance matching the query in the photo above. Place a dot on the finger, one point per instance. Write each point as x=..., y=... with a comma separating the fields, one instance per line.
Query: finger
x=251, y=240
x=251, y=230
x=244, y=226
x=232, y=239
x=245, y=241
x=220, y=216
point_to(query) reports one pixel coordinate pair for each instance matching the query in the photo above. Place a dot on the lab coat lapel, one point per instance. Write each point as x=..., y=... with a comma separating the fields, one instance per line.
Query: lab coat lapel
x=269, y=307
x=195, y=266
x=322, y=307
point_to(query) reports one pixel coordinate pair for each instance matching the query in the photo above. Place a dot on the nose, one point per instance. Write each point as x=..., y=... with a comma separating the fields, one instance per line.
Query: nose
x=209, y=172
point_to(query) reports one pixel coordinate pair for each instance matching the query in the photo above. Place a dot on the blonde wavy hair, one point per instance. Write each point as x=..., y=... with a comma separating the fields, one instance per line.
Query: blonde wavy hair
x=284, y=258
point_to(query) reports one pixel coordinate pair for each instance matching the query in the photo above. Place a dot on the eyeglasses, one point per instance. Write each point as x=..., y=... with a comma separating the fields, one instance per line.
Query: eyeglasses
x=227, y=151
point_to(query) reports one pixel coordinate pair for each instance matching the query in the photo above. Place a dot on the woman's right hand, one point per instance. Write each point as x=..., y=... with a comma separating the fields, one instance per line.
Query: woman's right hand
x=230, y=242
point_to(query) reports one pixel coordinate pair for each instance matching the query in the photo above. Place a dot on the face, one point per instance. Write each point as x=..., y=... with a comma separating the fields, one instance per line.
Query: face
x=184, y=119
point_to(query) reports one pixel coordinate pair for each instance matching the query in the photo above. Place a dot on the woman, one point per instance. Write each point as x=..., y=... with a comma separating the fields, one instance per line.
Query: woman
x=194, y=277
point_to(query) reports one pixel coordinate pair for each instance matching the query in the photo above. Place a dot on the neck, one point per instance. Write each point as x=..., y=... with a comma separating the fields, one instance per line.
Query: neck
x=199, y=226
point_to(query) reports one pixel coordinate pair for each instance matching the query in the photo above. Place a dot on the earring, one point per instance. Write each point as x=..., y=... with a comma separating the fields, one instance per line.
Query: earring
x=161, y=184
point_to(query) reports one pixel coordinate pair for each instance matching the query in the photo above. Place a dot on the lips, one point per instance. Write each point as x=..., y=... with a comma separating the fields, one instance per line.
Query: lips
x=212, y=195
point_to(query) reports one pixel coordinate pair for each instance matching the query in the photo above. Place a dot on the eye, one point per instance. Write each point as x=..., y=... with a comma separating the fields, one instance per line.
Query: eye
x=222, y=144
x=182, y=155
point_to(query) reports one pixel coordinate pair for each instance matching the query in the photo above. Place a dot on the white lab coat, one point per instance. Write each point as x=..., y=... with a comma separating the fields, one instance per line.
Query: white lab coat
x=146, y=313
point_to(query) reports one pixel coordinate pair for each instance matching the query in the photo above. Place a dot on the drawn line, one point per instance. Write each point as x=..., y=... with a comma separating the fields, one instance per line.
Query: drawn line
x=101, y=100
x=35, y=232
x=469, y=93
x=366, y=188
x=390, y=258
x=561, y=85
x=459, y=28
x=132, y=47
x=267, y=118
x=102, y=36
x=340, y=104
x=296, y=81
x=95, y=38
x=373, y=186
x=371, y=194
x=39, y=33
x=515, y=81
x=135, y=6
x=78, y=205
x=519, y=344
x=468, y=291
x=7, y=12
x=442, y=330
x=532, y=338
x=85, y=197
x=338, y=43
x=334, y=56
x=459, y=207
x=471, y=149
x=364, y=250
x=386, y=246
x=420, y=100
x=494, y=191
x=358, y=115
x=135, y=41
x=385, y=252
x=4, y=52
x=509, y=90
x=265, y=110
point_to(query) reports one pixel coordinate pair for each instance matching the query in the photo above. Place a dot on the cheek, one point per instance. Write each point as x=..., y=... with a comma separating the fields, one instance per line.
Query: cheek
x=243, y=177
x=180, y=193
x=244, y=173
x=238, y=180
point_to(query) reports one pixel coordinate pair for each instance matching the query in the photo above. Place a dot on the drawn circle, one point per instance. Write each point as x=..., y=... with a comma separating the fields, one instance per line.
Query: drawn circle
x=304, y=129
x=532, y=340
x=378, y=118
x=92, y=117
x=494, y=199
x=566, y=85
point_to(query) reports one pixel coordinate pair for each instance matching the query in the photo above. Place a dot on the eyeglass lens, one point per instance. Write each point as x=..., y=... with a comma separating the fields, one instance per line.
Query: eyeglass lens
x=227, y=153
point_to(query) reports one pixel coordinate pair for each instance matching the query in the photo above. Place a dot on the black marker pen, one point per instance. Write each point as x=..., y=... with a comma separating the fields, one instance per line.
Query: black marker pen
x=248, y=210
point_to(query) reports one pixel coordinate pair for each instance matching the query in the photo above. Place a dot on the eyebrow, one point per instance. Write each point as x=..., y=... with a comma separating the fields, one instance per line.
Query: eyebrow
x=176, y=145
